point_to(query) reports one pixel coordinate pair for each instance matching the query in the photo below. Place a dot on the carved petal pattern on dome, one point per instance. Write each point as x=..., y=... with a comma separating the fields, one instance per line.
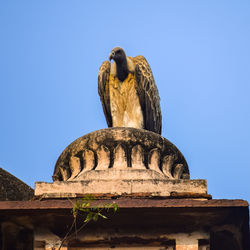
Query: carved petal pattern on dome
x=121, y=148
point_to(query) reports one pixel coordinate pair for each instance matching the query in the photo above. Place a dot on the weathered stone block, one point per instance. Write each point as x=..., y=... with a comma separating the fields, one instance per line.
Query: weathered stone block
x=121, y=182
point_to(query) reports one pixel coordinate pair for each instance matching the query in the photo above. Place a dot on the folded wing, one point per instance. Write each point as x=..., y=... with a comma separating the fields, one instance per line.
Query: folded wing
x=148, y=94
x=103, y=90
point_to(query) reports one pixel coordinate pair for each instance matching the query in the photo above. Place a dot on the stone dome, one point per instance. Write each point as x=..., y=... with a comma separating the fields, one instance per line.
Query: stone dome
x=123, y=149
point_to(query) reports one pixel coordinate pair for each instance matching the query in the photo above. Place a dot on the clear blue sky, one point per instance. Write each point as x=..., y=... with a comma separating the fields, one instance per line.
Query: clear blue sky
x=199, y=52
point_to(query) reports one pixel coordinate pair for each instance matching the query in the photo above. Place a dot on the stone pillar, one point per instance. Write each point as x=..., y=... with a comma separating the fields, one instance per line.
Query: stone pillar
x=190, y=241
x=188, y=246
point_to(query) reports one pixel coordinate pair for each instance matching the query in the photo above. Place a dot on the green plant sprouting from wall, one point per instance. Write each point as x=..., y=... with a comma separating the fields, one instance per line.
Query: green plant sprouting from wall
x=92, y=212
x=84, y=209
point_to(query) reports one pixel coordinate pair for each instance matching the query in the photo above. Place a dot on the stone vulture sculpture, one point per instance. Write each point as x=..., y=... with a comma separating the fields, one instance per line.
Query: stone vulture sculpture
x=128, y=92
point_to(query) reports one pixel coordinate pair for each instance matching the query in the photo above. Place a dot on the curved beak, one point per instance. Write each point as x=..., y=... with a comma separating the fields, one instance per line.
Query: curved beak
x=111, y=55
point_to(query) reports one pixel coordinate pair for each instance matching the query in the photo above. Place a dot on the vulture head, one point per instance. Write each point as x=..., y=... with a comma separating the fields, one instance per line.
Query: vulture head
x=118, y=55
x=121, y=63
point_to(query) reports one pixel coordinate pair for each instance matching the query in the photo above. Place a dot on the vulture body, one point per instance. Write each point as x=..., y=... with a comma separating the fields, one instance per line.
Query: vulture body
x=128, y=92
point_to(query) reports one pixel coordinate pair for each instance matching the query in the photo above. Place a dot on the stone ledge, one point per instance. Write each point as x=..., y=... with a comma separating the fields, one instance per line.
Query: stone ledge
x=127, y=203
x=156, y=187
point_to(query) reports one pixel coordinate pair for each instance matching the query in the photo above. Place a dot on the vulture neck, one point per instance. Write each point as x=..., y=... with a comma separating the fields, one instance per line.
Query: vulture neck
x=122, y=69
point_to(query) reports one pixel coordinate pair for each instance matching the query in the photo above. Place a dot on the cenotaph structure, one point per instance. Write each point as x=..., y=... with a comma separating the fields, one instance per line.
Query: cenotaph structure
x=131, y=165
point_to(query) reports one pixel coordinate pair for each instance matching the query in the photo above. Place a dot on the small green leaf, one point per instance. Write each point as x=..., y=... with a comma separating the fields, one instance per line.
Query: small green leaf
x=85, y=210
x=115, y=206
x=89, y=217
x=95, y=217
x=85, y=204
x=103, y=216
